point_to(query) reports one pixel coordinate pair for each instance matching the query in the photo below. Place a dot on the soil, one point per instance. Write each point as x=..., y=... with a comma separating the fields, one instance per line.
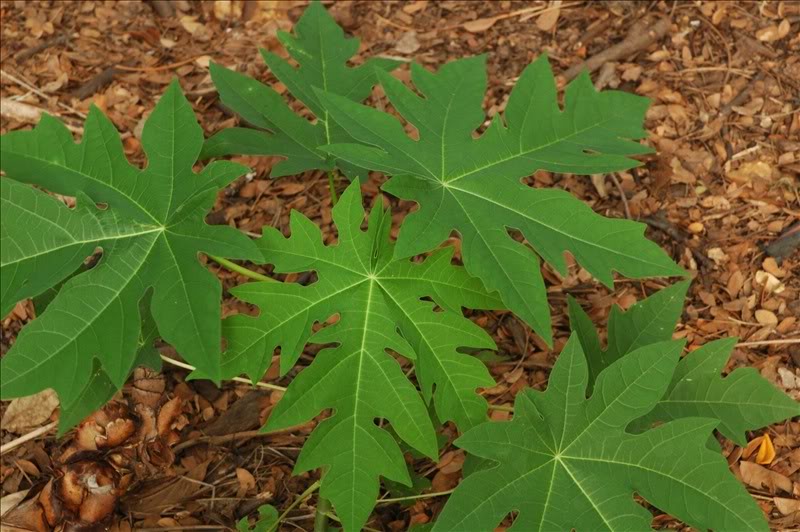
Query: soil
x=720, y=194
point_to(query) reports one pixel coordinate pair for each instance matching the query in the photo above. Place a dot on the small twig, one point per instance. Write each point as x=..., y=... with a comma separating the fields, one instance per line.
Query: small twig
x=786, y=244
x=501, y=408
x=232, y=266
x=640, y=37
x=303, y=496
x=659, y=222
x=36, y=91
x=13, y=444
x=621, y=195
x=536, y=10
x=415, y=497
x=228, y=438
x=259, y=384
x=30, y=52
x=160, y=68
x=785, y=341
x=95, y=83
x=740, y=98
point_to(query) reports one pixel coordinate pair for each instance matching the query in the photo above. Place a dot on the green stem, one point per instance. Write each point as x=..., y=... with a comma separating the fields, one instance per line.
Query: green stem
x=232, y=266
x=321, y=519
x=303, y=496
x=414, y=497
x=332, y=187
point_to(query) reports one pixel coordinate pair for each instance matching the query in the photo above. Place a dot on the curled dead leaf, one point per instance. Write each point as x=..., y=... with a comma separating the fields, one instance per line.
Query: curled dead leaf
x=766, y=451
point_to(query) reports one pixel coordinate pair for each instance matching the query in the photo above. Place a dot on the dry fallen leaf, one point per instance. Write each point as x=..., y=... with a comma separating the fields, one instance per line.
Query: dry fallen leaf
x=246, y=480
x=11, y=501
x=787, y=506
x=547, y=20
x=766, y=317
x=407, y=43
x=762, y=478
x=27, y=412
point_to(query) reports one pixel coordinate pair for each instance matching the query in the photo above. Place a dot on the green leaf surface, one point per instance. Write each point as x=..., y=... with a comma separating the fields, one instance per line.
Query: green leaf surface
x=268, y=520
x=649, y=321
x=565, y=462
x=150, y=227
x=380, y=310
x=742, y=401
x=473, y=184
x=321, y=52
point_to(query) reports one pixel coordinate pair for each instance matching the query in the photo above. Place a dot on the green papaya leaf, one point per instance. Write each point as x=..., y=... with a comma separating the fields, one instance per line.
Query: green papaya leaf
x=473, y=184
x=742, y=401
x=649, y=321
x=380, y=308
x=322, y=52
x=565, y=462
x=150, y=227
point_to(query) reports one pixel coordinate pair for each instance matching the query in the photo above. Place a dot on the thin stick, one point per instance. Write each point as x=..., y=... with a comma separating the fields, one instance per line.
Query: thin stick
x=501, y=408
x=159, y=68
x=415, y=497
x=621, y=195
x=232, y=266
x=303, y=496
x=13, y=444
x=36, y=91
x=184, y=365
x=229, y=438
x=770, y=342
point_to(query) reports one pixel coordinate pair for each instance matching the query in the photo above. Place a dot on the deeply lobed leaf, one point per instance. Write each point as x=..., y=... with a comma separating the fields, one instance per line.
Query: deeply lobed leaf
x=380, y=308
x=321, y=51
x=150, y=229
x=566, y=462
x=742, y=401
x=473, y=185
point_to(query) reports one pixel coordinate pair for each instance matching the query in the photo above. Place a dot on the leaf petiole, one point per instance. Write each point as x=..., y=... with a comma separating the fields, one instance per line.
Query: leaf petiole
x=332, y=188
x=232, y=266
x=303, y=496
x=323, y=509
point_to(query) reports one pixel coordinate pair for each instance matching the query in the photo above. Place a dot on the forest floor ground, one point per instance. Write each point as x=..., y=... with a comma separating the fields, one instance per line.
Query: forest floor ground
x=720, y=195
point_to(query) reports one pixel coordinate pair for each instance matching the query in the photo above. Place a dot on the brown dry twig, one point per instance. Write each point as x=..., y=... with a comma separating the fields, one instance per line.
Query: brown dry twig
x=659, y=221
x=22, y=55
x=786, y=244
x=642, y=35
x=95, y=83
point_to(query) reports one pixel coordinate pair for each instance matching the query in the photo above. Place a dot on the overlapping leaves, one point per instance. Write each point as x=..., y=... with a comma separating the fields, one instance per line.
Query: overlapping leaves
x=321, y=51
x=566, y=462
x=380, y=308
x=742, y=401
x=150, y=226
x=473, y=185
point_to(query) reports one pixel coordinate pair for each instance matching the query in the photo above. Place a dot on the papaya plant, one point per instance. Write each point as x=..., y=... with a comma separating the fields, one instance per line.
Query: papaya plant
x=149, y=225
x=395, y=363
